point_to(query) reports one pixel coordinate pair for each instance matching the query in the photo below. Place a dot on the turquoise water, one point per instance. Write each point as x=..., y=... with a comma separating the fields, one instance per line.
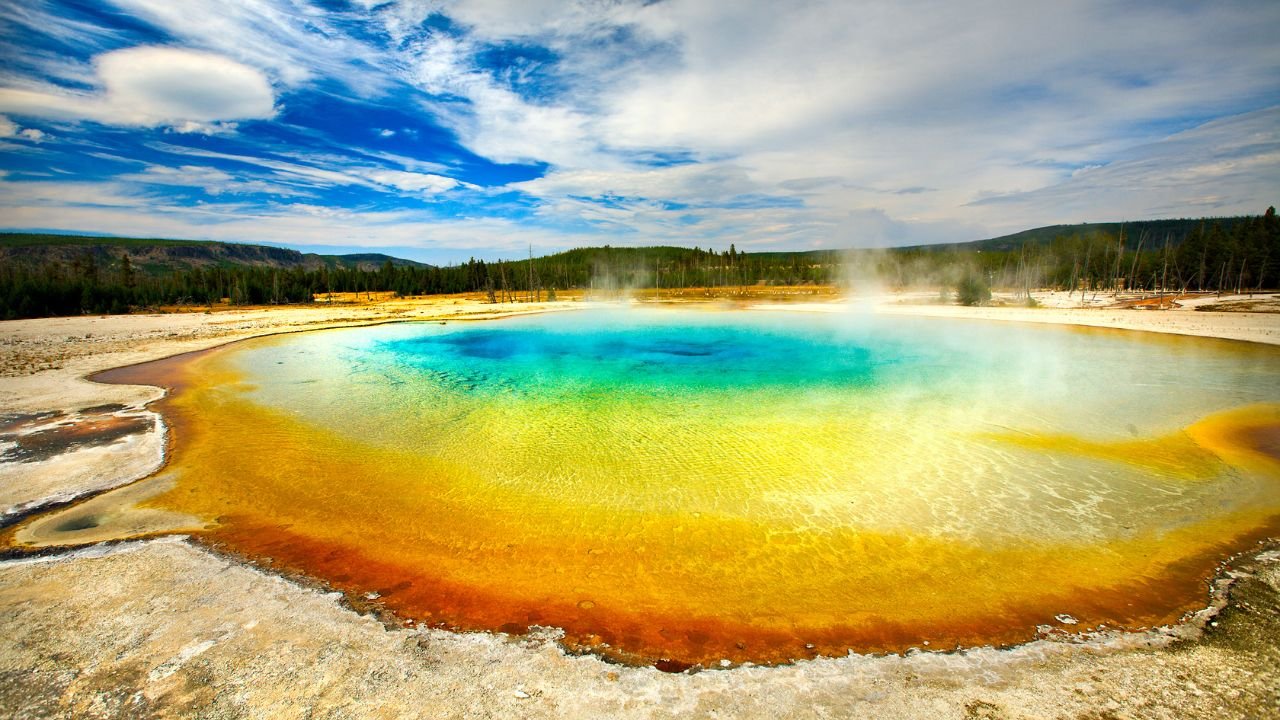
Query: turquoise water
x=1098, y=382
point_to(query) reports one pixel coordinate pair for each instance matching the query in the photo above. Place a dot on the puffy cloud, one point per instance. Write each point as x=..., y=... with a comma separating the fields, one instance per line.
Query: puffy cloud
x=187, y=90
x=10, y=129
x=169, y=84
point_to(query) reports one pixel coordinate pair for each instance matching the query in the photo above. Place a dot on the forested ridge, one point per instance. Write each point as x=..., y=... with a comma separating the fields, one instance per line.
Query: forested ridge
x=70, y=275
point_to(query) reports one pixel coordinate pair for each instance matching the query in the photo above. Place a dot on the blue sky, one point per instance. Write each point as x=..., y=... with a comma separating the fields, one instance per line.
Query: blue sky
x=442, y=130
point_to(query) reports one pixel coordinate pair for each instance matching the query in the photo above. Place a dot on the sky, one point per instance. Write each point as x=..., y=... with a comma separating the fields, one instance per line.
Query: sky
x=439, y=130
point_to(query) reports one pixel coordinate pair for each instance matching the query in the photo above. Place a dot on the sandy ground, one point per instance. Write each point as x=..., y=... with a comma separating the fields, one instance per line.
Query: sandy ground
x=165, y=628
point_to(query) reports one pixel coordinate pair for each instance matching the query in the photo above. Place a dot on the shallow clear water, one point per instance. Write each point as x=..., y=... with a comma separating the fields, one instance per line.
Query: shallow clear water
x=699, y=485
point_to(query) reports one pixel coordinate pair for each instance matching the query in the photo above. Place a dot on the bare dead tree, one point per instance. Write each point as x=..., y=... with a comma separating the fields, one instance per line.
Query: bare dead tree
x=1164, y=271
x=1133, y=269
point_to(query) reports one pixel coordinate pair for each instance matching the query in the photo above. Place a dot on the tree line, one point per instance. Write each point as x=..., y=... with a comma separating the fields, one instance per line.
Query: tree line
x=1240, y=255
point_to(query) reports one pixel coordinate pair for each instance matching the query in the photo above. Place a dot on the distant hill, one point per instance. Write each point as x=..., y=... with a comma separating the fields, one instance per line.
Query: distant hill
x=1152, y=233
x=1155, y=231
x=367, y=261
x=156, y=256
x=645, y=255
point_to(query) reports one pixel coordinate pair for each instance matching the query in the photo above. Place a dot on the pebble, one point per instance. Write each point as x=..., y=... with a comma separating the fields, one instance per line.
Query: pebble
x=521, y=694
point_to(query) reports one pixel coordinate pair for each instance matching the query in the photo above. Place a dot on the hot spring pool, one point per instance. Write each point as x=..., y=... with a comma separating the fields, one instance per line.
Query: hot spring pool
x=698, y=486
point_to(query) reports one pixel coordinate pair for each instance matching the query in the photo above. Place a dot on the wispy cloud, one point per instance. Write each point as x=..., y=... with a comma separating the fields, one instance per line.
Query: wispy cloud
x=330, y=171
x=211, y=180
x=1207, y=170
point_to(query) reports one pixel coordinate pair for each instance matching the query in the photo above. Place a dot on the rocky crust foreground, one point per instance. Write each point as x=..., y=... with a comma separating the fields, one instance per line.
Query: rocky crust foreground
x=165, y=628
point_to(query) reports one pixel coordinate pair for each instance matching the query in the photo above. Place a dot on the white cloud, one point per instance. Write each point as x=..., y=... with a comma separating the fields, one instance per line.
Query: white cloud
x=425, y=183
x=156, y=86
x=288, y=172
x=408, y=163
x=171, y=84
x=705, y=183
x=329, y=171
x=10, y=129
x=48, y=198
x=1229, y=166
x=189, y=127
x=293, y=41
x=494, y=121
x=209, y=179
